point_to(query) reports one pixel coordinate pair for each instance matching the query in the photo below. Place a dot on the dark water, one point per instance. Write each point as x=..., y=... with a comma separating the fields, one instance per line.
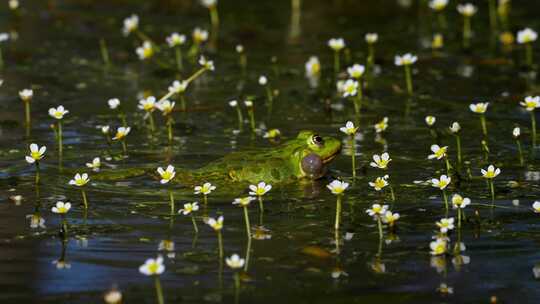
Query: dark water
x=57, y=54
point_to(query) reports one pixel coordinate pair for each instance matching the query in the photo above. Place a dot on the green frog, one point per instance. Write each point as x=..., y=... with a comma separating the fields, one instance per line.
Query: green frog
x=305, y=157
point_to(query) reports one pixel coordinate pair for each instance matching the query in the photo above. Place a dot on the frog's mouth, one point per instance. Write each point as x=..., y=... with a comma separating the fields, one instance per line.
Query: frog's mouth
x=331, y=157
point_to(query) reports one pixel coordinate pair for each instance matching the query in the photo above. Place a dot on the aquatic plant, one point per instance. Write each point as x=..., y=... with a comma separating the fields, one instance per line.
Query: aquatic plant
x=455, y=129
x=526, y=37
x=189, y=209
x=467, y=10
x=251, y=114
x=338, y=188
x=58, y=114
x=80, y=180
x=154, y=268
x=516, y=133
x=381, y=161
x=244, y=203
x=148, y=105
x=459, y=203
x=116, y=105
x=406, y=61
x=121, y=134
x=217, y=225
x=491, y=173
x=480, y=108
x=442, y=183
x=176, y=41
x=337, y=45
x=36, y=154
x=234, y=104
x=351, y=130
x=259, y=191
x=205, y=190
x=167, y=107
x=377, y=212
x=26, y=96
x=371, y=39
x=62, y=209
x=235, y=263
x=531, y=104
x=166, y=176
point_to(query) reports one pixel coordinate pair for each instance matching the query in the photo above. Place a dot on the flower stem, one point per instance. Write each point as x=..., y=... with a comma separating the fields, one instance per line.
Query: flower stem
x=336, y=63
x=379, y=226
x=151, y=119
x=220, y=245
x=392, y=194
x=466, y=32
x=205, y=199
x=159, y=291
x=60, y=149
x=520, y=151
x=27, y=116
x=483, y=123
x=104, y=52
x=261, y=205
x=251, y=119
x=529, y=54
x=171, y=200
x=214, y=17
x=1, y=59
x=338, y=212
x=458, y=146
x=493, y=15
x=459, y=217
x=236, y=287
x=124, y=146
x=240, y=118
x=37, y=172
x=169, y=128
x=246, y=219
x=195, y=227
x=353, y=156
x=178, y=56
x=408, y=79
x=64, y=226
x=85, y=200
x=492, y=189
x=533, y=128
x=371, y=57
x=445, y=200
x=448, y=166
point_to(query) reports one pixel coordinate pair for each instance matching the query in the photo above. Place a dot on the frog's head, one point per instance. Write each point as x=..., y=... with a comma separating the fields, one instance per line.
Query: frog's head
x=313, y=153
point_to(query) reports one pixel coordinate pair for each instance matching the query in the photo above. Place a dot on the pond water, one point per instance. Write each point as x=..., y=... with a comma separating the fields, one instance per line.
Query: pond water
x=57, y=54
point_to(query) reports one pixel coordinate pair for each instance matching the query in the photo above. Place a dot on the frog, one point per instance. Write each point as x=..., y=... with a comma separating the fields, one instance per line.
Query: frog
x=305, y=157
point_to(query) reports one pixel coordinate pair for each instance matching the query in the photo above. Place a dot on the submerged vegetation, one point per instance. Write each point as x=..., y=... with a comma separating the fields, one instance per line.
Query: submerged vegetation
x=413, y=137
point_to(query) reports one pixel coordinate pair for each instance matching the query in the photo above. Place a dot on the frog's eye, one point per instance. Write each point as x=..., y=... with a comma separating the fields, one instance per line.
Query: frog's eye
x=317, y=140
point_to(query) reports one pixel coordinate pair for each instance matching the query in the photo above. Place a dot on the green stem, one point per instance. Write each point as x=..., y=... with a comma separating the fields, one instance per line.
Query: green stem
x=220, y=245
x=60, y=148
x=458, y=145
x=459, y=217
x=124, y=146
x=151, y=119
x=483, y=123
x=236, y=287
x=214, y=17
x=520, y=151
x=169, y=128
x=27, y=116
x=195, y=227
x=392, y=194
x=466, y=32
x=338, y=212
x=336, y=63
x=37, y=172
x=159, y=291
x=379, y=226
x=529, y=54
x=248, y=254
x=251, y=114
x=179, y=59
x=246, y=219
x=441, y=18
x=85, y=200
x=492, y=189
x=182, y=102
x=240, y=118
x=64, y=226
x=408, y=79
x=205, y=199
x=448, y=166
x=104, y=52
x=261, y=205
x=493, y=15
x=1, y=59
x=243, y=63
x=171, y=200
x=371, y=57
x=353, y=156
x=533, y=128
x=445, y=201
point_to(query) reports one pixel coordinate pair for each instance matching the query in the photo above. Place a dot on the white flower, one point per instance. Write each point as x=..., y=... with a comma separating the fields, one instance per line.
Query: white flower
x=381, y=161
x=272, y=133
x=152, y=267
x=178, y=87
x=467, y=9
x=263, y=80
x=445, y=224
x=438, y=152
x=460, y=202
x=209, y=3
x=350, y=88
x=199, y=35
x=531, y=103
x=166, y=175
x=189, y=208
x=175, y=39
x=61, y=208
x=239, y=48
x=349, y=128
x=95, y=164
x=233, y=103
x=406, y=59
x=207, y=64
x=26, y=94
x=430, y=120
x=205, y=189
x=166, y=106
x=130, y=24
x=526, y=36
x=536, y=207
x=379, y=183
x=260, y=189
x=58, y=113
x=377, y=210
x=438, y=5
x=248, y=103
x=455, y=127
x=4, y=37
x=243, y=201
x=516, y=132
x=79, y=180
x=113, y=103
x=445, y=289
x=438, y=247
x=337, y=187
x=356, y=71
x=313, y=67
x=13, y=4
x=235, y=262
x=491, y=172
x=113, y=296
x=215, y=224
x=121, y=133
x=371, y=38
x=105, y=129
x=381, y=126
x=479, y=108
x=145, y=51
x=148, y=104
x=337, y=44
x=36, y=153
x=442, y=182
x=390, y=218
